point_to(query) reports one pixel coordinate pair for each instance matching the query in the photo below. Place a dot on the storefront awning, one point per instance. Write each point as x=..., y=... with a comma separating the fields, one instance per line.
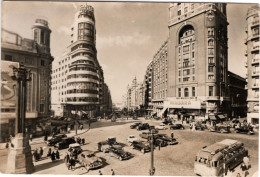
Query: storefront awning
x=212, y=117
x=221, y=116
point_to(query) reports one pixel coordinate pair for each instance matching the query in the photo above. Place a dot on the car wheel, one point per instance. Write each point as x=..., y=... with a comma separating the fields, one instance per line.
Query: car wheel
x=221, y=131
x=142, y=150
x=182, y=128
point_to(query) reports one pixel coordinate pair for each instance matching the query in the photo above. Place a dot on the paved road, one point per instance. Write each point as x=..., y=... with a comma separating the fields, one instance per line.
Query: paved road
x=174, y=160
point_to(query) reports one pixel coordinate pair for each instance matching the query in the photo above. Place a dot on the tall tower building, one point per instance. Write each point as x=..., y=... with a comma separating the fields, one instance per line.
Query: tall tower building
x=77, y=76
x=197, y=63
x=252, y=53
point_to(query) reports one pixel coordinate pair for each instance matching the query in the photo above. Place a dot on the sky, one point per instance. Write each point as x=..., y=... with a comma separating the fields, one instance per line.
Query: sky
x=128, y=34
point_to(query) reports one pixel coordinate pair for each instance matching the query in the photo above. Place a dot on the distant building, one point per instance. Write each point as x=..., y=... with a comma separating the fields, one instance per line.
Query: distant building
x=252, y=53
x=148, y=89
x=34, y=54
x=77, y=77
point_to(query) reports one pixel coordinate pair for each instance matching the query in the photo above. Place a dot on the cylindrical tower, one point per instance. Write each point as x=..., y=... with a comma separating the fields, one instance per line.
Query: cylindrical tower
x=41, y=34
x=83, y=75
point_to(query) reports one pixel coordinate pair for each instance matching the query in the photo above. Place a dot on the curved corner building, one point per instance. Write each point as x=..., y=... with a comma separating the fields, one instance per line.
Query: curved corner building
x=77, y=78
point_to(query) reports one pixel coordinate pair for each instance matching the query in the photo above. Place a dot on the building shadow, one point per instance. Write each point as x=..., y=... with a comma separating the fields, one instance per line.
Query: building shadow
x=47, y=165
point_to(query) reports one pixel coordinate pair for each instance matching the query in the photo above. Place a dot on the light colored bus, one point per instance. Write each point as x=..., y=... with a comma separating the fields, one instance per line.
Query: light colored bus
x=218, y=158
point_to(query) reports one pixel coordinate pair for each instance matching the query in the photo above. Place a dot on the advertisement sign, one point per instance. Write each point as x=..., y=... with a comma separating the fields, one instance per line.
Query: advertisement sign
x=8, y=87
x=184, y=103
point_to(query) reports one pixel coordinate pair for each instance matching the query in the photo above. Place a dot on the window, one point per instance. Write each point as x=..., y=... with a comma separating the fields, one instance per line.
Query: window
x=211, y=60
x=193, y=78
x=192, y=46
x=193, y=70
x=42, y=62
x=179, y=12
x=192, y=6
x=185, y=9
x=211, y=90
x=210, y=77
x=186, y=48
x=41, y=107
x=8, y=57
x=211, y=51
x=193, y=91
x=179, y=92
x=179, y=72
x=186, y=72
x=192, y=55
x=186, y=63
x=185, y=79
x=42, y=38
x=85, y=31
x=211, y=69
x=186, y=56
x=186, y=92
x=211, y=42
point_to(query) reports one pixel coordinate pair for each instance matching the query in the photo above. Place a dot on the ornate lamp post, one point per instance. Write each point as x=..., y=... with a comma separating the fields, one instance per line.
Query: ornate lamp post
x=19, y=155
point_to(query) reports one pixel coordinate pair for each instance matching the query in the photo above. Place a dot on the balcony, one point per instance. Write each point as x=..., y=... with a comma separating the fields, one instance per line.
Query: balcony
x=255, y=61
x=255, y=48
x=255, y=85
x=255, y=23
x=255, y=73
x=255, y=36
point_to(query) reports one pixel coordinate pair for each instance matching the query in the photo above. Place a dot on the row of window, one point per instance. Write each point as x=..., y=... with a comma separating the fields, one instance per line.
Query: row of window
x=86, y=54
x=82, y=76
x=186, y=92
x=82, y=68
x=29, y=61
x=84, y=45
x=82, y=99
x=83, y=62
x=82, y=91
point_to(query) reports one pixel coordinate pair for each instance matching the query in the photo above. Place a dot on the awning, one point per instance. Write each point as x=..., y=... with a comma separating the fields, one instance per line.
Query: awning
x=221, y=116
x=212, y=117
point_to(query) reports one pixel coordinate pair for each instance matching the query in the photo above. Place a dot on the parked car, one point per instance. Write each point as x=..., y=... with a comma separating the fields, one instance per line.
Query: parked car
x=220, y=128
x=160, y=142
x=200, y=126
x=245, y=130
x=90, y=161
x=119, y=153
x=161, y=127
x=65, y=142
x=55, y=139
x=131, y=138
x=144, y=135
x=105, y=145
x=169, y=140
x=234, y=123
x=75, y=149
x=144, y=126
x=143, y=146
x=177, y=127
x=133, y=126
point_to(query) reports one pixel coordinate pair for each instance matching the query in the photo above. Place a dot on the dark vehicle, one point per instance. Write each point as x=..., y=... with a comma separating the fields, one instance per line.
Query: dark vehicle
x=220, y=128
x=75, y=149
x=245, y=130
x=105, y=145
x=133, y=126
x=160, y=142
x=170, y=141
x=167, y=122
x=142, y=146
x=234, y=123
x=119, y=153
x=177, y=127
x=90, y=161
x=144, y=135
x=200, y=126
x=55, y=139
x=144, y=126
x=65, y=142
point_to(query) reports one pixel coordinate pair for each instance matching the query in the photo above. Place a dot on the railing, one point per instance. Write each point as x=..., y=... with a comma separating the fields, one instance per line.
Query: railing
x=255, y=60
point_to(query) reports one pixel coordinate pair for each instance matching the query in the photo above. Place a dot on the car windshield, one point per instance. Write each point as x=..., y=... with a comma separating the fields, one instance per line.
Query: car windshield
x=90, y=155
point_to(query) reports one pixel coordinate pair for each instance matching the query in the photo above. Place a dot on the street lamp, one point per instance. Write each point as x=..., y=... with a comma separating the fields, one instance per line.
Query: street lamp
x=151, y=138
x=19, y=155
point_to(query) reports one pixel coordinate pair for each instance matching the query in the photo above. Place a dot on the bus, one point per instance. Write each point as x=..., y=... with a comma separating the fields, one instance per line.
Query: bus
x=218, y=158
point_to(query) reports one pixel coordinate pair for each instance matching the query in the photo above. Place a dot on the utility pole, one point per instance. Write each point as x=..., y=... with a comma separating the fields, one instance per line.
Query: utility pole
x=152, y=169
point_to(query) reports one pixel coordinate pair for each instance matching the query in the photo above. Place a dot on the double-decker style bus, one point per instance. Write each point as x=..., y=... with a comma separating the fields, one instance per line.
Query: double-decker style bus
x=218, y=158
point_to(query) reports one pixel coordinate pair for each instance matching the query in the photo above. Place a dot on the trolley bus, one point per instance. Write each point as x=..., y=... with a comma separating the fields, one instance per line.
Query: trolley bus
x=218, y=158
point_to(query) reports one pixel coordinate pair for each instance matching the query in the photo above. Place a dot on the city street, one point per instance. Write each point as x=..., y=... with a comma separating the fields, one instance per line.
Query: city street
x=176, y=160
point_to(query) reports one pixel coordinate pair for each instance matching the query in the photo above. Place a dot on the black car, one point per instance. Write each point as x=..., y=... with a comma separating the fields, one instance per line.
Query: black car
x=135, y=125
x=177, y=127
x=55, y=139
x=144, y=126
x=143, y=146
x=170, y=141
x=245, y=130
x=65, y=142
x=160, y=142
x=119, y=153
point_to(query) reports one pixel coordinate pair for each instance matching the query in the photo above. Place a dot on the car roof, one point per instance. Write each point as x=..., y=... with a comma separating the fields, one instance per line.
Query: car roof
x=74, y=145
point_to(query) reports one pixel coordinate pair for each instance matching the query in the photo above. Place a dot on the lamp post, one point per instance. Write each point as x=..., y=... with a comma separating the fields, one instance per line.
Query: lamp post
x=152, y=169
x=20, y=156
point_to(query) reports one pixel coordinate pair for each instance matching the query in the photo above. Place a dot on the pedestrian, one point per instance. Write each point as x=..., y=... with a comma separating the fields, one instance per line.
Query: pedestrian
x=57, y=155
x=172, y=135
x=30, y=137
x=190, y=127
x=81, y=126
x=238, y=175
x=113, y=173
x=246, y=161
x=100, y=173
x=53, y=156
x=244, y=169
x=41, y=152
x=159, y=147
x=49, y=153
x=35, y=155
x=7, y=145
x=83, y=141
x=45, y=137
x=72, y=163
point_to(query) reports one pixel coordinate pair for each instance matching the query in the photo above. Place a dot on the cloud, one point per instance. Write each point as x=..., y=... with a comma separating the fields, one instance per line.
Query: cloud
x=64, y=29
x=123, y=40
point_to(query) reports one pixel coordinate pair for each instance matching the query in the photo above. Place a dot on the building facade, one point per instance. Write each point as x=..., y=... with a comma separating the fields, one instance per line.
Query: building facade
x=77, y=78
x=197, y=63
x=34, y=54
x=159, y=84
x=148, y=89
x=252, y=53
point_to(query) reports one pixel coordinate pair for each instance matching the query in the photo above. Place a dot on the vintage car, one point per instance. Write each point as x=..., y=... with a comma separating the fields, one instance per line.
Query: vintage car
x=119, y=153
x=131, y=138
x=166, y=138
x=245, y=130
x=200, y=126
x=144, y=126
x=104, y=146
x=55, y=139
x=161, y=127
x=220, y=128
x=144, y=135
x=75, y=149
x=143, y=146
x=160, y=142
x=177, y=127
x=133, y=126
x=89, y=160
x=65, y=142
